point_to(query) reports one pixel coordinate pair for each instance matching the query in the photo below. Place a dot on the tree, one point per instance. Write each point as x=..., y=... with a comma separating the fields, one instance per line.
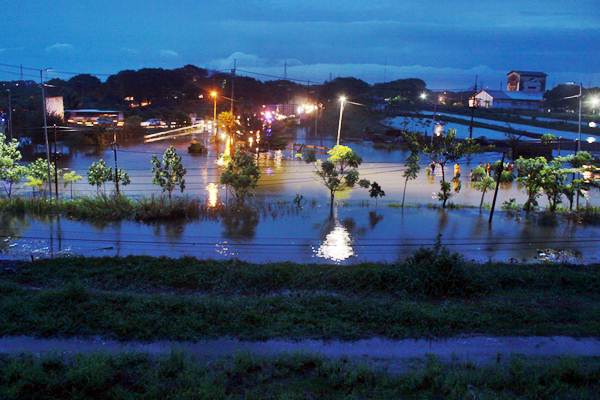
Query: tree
x=553, y=183
x=548, y=138
x=241, y=174
x=228, y=122
x=376, y=191
x=448, y=149
x=11, y=172
x=122, y=177
x=69, y=178
x=169, y=173
x=485, y=184
x=37, y=174
x=98, y=174
x=530, y=175
x=340, y=171
x=411, y=171
x=575, y=188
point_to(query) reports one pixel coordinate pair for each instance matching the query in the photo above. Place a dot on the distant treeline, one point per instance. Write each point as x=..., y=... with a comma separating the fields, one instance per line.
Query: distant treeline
x=173, y=94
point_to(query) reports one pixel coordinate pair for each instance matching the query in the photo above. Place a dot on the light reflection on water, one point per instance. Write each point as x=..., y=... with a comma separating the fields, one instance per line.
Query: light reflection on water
x=275, y=233
x=337, y=245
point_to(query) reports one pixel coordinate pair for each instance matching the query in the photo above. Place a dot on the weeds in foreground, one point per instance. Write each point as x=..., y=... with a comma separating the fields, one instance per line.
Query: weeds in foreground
x=137, y=376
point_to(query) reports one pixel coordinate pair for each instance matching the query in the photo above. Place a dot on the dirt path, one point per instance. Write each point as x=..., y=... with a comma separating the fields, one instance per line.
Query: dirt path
x=393, y=354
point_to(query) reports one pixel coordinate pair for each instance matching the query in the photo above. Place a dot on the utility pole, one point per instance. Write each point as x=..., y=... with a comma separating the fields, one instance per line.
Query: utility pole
x=233, y=84
x=116, y=165
x=55, y=166
x=10, y=131
x=579, y=124
x=498, y=176
x=46, y=131
x=285, y=70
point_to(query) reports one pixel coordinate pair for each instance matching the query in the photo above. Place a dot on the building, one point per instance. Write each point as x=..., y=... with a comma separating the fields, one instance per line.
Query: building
x=526, y=81
x=94, y=117
x=517, y=100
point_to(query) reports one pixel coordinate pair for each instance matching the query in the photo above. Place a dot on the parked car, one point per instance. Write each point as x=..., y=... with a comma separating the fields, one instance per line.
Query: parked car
x=153, y=123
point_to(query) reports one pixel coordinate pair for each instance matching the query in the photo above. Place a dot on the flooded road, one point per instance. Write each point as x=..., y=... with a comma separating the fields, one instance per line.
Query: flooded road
x=274, y=229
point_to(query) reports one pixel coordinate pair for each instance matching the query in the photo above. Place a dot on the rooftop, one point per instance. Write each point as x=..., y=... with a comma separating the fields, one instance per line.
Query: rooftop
x=529, y=73
x=521, y=96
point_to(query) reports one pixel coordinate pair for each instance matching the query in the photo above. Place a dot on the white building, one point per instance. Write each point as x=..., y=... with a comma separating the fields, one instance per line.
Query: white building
x=501, y=99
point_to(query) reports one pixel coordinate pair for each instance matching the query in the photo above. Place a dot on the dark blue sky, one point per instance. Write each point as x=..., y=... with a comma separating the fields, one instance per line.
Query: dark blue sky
x=444, y=42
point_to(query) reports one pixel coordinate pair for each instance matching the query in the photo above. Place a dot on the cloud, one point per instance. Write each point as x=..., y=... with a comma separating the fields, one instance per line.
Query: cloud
x=59, y=47
x=168, y=53
x=130, y=51
x=246, y=60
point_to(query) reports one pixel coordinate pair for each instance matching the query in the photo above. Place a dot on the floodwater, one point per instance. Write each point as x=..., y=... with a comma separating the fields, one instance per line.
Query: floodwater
x=272, y=228
x=425, y=125
x=394, y=355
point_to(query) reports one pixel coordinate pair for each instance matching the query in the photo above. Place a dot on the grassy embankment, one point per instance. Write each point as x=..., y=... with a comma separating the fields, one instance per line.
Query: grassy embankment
x=431, y=294
x=136, y=376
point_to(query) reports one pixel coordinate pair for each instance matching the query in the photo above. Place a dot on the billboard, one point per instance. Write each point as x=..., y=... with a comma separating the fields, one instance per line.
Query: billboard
x=55, y=106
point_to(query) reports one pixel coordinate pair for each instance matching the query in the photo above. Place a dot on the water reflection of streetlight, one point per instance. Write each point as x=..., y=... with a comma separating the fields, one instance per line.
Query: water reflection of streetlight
x=337, y=245
x=213, y=195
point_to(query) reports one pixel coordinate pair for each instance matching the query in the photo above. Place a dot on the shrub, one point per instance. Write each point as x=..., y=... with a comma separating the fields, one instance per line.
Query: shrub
x=440, y=273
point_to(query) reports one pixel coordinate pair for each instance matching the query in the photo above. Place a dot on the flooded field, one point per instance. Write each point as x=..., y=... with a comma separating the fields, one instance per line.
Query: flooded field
x=272, y=228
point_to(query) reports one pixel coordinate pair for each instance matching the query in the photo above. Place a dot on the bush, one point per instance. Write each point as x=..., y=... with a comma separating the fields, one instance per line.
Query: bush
x=440, y=273
x=477, y=173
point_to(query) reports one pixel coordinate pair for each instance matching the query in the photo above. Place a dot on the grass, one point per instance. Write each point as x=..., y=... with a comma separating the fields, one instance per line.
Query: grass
x=108, y=208
x=434, y=293
x=136, y=376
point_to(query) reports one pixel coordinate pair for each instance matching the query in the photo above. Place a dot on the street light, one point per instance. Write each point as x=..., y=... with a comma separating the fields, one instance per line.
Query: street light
x=595, y=102
x=343, y=100
x=213, y=94
x=423, y=96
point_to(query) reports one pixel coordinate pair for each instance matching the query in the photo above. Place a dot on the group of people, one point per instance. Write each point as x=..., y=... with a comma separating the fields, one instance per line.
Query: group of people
x=456, y=170
x=487, y=167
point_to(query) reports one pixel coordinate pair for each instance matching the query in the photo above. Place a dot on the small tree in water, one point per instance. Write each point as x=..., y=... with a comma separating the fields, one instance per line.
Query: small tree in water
x=69, y=178
x=530, y=176
x=412, y=167
x=448, y=150
x=485, y=184
x=241, y=174
x=11, y=172
x=340, y=172
x=98, y=174
x=169, y=172
x=37, y=174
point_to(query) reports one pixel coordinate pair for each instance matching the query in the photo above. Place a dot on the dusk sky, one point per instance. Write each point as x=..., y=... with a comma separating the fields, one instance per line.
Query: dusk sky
x=446, y=43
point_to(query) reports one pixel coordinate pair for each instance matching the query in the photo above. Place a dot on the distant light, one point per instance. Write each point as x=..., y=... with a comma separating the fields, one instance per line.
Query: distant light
x=593, y=124
x=590, y=139
x=595, y=101
x=423, y=96
x=213, y=94
x=343, y=99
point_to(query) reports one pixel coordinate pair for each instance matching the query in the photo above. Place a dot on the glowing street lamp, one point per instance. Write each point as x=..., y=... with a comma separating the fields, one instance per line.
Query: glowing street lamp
x=423, y=96
x=214, y=94
x=595, y=102
x=343, y=100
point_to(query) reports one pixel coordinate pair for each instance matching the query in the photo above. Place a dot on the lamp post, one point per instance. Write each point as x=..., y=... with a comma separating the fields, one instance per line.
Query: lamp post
x=339, y=132
x=213, y=94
